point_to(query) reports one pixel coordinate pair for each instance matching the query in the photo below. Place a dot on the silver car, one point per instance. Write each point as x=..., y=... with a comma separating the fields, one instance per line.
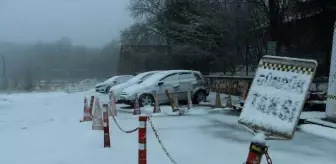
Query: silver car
x=175, y=81
x=105, y=86
x=139, y=78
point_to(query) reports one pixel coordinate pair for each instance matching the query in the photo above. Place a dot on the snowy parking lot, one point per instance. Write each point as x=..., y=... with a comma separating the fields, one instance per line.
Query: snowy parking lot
x=44, y=128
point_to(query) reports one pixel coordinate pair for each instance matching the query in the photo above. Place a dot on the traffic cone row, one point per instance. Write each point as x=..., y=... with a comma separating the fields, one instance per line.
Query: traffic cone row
x=87, y=115
x=100, y=119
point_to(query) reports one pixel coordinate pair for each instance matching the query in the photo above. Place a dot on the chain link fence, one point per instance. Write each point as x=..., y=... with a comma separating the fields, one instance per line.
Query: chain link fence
x=125, y=131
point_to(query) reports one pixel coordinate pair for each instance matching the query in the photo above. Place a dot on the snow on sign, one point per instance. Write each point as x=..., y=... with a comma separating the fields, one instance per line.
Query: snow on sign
x=276, y=96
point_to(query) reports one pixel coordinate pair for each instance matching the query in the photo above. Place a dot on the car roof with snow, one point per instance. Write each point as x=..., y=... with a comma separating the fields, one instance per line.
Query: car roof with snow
x=178, y=71
x=159, y=75
x=117, y=76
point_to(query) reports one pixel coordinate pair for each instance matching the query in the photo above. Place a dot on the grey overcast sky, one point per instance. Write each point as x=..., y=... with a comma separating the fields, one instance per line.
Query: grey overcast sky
x=87, y=22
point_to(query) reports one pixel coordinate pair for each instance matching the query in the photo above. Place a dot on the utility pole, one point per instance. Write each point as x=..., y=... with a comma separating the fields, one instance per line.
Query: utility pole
x=273, y=16
x=247, y=50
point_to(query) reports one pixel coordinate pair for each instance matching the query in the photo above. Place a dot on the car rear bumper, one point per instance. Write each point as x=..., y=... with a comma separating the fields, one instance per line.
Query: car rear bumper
x=128, y=102
x=126, y=99
x=100, y=90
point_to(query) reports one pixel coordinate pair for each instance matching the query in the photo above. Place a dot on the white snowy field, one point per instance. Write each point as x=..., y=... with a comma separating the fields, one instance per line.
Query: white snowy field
x=44, y=128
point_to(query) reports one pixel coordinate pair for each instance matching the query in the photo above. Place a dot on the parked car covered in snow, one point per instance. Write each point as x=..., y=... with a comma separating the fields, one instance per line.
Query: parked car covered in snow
x=86, y=84
x=139, y=78
x=175, y=81
x=104, y=87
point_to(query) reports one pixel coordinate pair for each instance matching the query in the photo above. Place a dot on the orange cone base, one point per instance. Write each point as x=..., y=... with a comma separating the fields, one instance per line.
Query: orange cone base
x=176, y=110
x=157, y=110
x=98, y=128
x=136, y=112
x=255, y=153
x=86, y=119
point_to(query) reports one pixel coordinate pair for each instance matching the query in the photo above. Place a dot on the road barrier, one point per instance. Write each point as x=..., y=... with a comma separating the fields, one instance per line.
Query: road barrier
x=142, y=155
x=102, y=123
x=239, y=86
x=106, y=126
x=257, y=150
x=136, y=110
x=91, y=104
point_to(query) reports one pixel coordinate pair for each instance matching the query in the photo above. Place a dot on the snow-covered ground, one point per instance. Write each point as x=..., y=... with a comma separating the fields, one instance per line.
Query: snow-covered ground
x=44, y=128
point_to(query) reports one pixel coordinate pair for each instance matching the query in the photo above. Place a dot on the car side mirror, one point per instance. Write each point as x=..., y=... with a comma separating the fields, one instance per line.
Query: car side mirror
x=140, y=82
x=114, y=82
x=160, y=83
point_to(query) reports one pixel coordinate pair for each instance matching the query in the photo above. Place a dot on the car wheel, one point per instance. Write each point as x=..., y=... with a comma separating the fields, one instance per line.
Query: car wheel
x=146, y=99
x=199, y=96
x=107, y=90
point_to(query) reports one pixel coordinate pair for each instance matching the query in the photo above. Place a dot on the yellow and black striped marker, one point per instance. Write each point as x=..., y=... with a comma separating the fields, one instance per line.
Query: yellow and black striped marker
x=287, y=68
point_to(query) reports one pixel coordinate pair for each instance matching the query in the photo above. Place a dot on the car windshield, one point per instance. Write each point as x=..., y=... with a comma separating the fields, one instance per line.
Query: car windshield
x=138, y=77
x=154, y=78
x=111, y=79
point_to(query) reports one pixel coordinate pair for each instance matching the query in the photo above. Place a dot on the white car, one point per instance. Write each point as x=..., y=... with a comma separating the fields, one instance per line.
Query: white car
x=117, y=89
x=175, y=81
x=105, y=86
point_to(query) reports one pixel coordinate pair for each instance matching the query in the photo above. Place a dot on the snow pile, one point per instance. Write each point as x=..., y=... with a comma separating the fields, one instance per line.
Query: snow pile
x=260, y=138
x=305, y=115
x=325, y=132
x=44, y=128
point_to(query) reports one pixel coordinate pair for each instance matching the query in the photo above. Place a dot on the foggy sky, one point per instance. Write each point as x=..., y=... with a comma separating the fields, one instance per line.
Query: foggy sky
x=87, y=22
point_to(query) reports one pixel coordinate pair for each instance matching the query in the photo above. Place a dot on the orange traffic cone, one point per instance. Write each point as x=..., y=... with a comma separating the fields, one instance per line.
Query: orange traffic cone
x=113, y=108
x=189, y=100
x=87, y=116
x=244, y=95
x=156, y=103
x=218, y=103
x=229, y=99
x=229, y=102
x=91, y=105
x=176, y=103
x=106, y=127
x=136, y=110
x=97, y=123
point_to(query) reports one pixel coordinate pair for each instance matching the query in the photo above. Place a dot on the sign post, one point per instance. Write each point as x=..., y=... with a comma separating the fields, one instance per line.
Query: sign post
x=276, y=97
x=271, y=48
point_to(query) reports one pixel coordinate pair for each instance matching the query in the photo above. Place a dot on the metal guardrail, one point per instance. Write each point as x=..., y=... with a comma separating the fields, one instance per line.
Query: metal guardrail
x=236, y=84
x=228, y=84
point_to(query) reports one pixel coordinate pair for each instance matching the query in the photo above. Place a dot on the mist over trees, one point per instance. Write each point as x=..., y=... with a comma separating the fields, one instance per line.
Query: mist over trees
x=232, y=33
x=210, y=36
x=60, y=60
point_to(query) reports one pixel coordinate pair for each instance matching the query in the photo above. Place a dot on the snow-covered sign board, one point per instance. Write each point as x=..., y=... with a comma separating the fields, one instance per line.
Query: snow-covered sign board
x=276, y=96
